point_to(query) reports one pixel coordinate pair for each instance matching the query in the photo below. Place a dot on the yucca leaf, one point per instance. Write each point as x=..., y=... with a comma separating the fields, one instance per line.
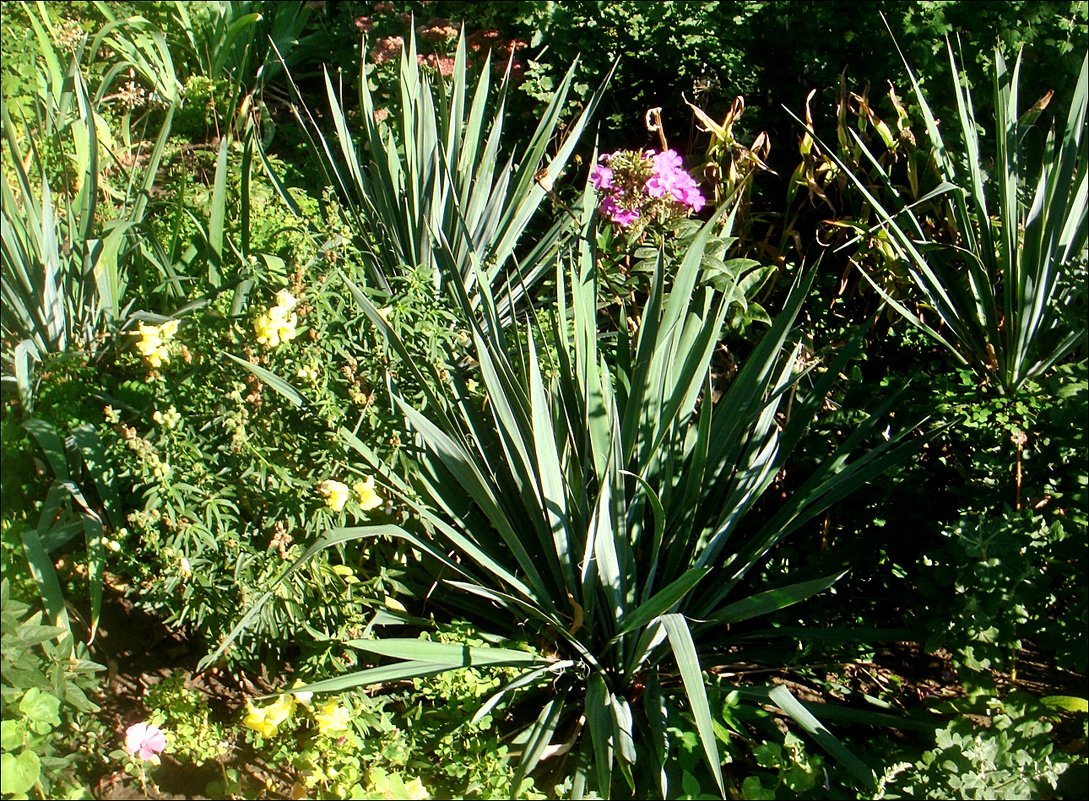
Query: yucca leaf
x=684, y=651
x=782, y=697
x=600, y=725
x=539, y=736
x=661, y=602
x=446, y=653
x=769, y=601
x=285, y=390
x=524, y=680
x=377, y=675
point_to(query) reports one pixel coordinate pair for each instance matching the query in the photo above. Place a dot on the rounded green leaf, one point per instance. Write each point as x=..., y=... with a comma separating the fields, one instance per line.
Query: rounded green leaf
x=11, y=734
x=19, y=773
x=41, y=709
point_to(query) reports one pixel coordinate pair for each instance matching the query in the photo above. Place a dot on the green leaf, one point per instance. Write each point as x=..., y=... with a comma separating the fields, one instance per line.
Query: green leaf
x=41, y=565
x=378, y=675
x=42, y=709
x=684, y=650
x=1066, y=703
x=663, y=601
x=447, y=653
x=782, y=697
x=18, y=773
x=769, y=601
x=274, y=381
x=217, y=215
x=12, y=734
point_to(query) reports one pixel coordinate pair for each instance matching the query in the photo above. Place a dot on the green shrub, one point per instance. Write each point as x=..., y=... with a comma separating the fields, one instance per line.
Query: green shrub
x=50, y=737
x=1011, y=754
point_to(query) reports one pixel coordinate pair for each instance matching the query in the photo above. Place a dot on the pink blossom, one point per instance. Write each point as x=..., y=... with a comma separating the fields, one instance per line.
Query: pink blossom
x=668, y=161
x=601, y=177
x=444, y=64
x=669, y=178
x=144, y=740
x=621, y=216
x=387, y=49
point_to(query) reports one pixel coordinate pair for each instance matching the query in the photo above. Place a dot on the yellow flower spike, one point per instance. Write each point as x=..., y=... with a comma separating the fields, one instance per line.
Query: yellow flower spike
x=153, y=342
x=278, y=323
x=332, y=718
x=335, y=492
x=285, y=300
x=257, y=720
x=368, y=497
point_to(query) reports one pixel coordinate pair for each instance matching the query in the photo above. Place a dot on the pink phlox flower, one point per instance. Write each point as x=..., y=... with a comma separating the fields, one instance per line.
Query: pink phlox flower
x=694, y=199
x=668, y=161
x=669, y=178
x=144, y=740
x=601, y=177
x=621, y=216
x=659, y=185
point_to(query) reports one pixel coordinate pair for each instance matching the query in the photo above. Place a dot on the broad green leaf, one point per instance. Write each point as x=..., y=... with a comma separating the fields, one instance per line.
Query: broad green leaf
x=1066, y=703
x=19, y=772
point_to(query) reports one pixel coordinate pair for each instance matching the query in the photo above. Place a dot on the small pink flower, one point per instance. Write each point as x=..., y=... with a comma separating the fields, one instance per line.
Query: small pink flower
x=387, y=49
x=601, y=177
x=144, y=740
x=621, y=216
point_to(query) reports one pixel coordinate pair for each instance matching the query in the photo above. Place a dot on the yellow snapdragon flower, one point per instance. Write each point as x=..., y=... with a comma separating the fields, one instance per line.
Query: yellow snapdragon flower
x=368, y=497
x=277, y=324
x=336, y=493
x=332, y=718
x=153, y=342
x=266, y=720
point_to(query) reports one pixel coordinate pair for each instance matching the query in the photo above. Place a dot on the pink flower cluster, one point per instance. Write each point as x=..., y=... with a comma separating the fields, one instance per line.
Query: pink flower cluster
x=632, y=183
x=387, y=49
x=670, y=179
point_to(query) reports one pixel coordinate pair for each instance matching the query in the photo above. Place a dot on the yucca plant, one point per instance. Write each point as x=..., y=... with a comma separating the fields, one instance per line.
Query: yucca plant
x=64, y=259
x=64, y=269
x=595, y=503
x=436, y=168
x=1002, y=263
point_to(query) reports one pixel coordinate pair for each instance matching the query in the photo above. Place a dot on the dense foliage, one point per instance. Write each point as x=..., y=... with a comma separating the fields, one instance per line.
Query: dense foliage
x=533, y=399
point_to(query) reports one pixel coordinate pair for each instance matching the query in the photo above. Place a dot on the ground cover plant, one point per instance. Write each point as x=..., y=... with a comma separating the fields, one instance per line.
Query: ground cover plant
x=442, y=400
